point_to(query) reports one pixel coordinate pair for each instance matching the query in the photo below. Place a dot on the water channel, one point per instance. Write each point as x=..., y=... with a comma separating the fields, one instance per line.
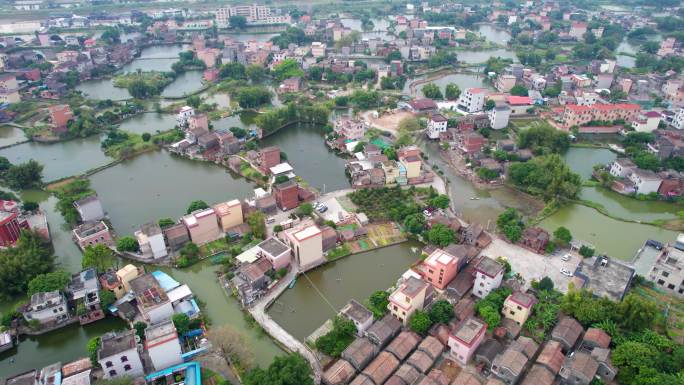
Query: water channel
x=11, y=135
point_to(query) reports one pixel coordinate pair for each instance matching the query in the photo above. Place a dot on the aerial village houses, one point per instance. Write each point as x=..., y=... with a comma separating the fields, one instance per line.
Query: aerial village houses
x=92, y=234
x=89, y=208
x=667, y=272
x=163, y=345
x=357, y=313
x=439, y=268
x=518, y=307
x=412, y=295
x=278, y=253
x=489, y=275
x=437, y=125
x=152, y=301
x=118, y=355
x=151, y=241
x=306, y=243
x=203, y=226
x=466, y=338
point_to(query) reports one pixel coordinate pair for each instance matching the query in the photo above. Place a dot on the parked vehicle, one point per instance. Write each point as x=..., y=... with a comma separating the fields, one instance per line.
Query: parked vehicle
x=566, y=272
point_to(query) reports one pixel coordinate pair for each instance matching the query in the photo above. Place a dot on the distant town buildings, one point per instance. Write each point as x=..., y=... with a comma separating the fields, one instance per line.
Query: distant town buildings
x=254, y=14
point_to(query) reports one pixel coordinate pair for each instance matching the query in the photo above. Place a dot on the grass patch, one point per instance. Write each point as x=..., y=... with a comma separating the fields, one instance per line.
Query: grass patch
x=214, y=247
x=338, y=252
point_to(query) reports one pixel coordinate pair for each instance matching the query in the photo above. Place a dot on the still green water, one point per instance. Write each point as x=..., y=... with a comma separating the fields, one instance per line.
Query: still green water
x=160, y=185
x=150, y=122
x=321, y=293
x=61, y=159
x=311, y=158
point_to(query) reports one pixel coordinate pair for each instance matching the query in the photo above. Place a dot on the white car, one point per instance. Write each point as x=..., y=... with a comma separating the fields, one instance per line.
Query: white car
x=566, y=272
x=565, y=258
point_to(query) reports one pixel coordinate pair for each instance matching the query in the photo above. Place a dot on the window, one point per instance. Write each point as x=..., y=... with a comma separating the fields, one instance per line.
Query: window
x=127, y=367
x=671, y=286
x=666, y=274
x=124, y=359
x=112, y=373
x=109, y=364
x=512, y=312
x=519, y=308
x=661, y=282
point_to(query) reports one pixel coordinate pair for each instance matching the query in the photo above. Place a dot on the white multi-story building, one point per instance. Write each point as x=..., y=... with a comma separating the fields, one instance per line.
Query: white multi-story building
x=47, y=308
x=184, y=115
x=436, y=125
x=472, y=100
x=678, y=120
x=306, y=244
x=162, y=345
x=488, y=276
x=255, y=14
x=621, y=167
x=118, y=355
x=647, y=121
x=499, y=116
x=667, y=271
x=645, y=181
x=318, y=49
x=151, y=241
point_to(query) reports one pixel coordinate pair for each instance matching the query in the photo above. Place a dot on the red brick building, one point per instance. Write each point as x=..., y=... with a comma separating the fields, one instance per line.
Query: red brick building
x=535, y=239
x=286, y=195
x=269, y=157
x=60, y=115
x=10, y=228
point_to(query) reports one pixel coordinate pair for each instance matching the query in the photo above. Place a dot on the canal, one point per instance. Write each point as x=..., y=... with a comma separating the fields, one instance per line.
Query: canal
x=321, y=293
x=11, y=135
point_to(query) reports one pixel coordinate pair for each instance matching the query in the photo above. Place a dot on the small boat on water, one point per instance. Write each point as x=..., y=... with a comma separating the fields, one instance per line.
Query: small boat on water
x=474, y=198
x=414, y=249
x=292, y=283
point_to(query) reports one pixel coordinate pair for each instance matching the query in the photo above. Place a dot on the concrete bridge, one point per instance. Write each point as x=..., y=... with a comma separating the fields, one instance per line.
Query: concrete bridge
x=258, y=311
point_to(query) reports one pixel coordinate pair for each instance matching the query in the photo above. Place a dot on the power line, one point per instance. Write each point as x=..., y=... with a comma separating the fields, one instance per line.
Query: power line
x=319, y=293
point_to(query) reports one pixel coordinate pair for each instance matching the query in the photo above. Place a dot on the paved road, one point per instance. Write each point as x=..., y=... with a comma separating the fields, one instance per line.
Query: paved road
x=258, y=311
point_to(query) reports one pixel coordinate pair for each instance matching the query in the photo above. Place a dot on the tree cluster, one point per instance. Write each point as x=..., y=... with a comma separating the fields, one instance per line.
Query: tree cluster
x=19, y=265
x=546, y=176
x=336, y=340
